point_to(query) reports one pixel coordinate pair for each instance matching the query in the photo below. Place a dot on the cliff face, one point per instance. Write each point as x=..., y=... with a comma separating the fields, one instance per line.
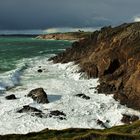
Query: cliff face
x=113, y=55
x=65, y=36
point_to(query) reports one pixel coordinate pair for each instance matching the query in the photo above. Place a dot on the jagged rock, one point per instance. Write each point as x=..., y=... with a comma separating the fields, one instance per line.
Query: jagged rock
x=129, y=119
x=83, y=96
x=38, y=113
x=11, y=97
x=40, y=70
x=58, y=114
x=38, y=95
x=90, y=69
x=105, y=88
x=113, y=55
x=32, y=110
x=28, y=108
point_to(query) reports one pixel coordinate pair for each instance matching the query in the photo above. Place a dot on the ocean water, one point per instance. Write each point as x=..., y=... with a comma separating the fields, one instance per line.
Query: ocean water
x=17, y=52
x=20, y=59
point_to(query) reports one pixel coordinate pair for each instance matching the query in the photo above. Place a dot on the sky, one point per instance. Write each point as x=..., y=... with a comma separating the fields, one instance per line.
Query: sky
x=51, y=14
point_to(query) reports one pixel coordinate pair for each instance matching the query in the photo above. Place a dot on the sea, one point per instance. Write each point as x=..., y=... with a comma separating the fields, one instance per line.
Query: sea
x=17, y=54
x=20, y=60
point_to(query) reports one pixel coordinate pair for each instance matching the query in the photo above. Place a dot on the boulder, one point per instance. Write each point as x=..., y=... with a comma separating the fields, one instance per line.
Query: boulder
x=38, y=113
x=38, y=95
x=57, y=114
x=32, y=110
x=129, y=119
x=40, y=70
x=28, y=108
x=83, y=96
x=11, y=97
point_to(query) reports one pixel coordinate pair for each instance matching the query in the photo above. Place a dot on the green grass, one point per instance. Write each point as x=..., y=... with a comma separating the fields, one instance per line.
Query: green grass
x=124, y=132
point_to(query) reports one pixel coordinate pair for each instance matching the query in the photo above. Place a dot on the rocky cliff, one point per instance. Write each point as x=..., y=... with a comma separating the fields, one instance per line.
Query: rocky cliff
x=113, y=55
x=65, y=36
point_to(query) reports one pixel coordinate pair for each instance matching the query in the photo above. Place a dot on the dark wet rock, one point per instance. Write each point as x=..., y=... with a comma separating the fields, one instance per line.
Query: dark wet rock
x=33, y=111
x=11, y=97
x=92, y=88
x=28, y=108
x=38, y=114
x=38, y=95
x=105, y=88
x=58, y=114
x=83, y=96
x=129, y=119
x=40, y=70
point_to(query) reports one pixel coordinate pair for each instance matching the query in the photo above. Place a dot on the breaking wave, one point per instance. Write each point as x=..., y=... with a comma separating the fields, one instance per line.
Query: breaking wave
x=12, y=78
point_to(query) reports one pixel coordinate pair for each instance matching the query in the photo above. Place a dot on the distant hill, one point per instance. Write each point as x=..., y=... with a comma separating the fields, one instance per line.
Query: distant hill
x=65, y=36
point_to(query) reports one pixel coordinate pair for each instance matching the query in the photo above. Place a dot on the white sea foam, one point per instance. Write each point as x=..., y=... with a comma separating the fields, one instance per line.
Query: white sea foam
x=11, y=78
x=61, y=83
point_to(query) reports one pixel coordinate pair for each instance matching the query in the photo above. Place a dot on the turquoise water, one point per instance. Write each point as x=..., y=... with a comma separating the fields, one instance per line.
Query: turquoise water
x=17, y=52
x=17, y=48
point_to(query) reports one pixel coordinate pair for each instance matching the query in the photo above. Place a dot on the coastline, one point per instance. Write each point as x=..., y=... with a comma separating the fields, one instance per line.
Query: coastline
x=70, y=36
x=108, y=55
x=127, y=132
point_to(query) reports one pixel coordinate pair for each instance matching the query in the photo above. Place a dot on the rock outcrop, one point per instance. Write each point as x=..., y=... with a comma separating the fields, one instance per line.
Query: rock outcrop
x=38, y=113
x=11, y=97
x=28, y=108
x=33, y=111
x=65, y=36
x=112, y=55
x=127, y=119
x=38, y=95
x=81, y=95
x=57, y=114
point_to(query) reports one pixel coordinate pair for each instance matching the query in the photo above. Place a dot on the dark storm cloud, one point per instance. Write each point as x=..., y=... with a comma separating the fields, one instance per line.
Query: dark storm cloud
x=42, y=14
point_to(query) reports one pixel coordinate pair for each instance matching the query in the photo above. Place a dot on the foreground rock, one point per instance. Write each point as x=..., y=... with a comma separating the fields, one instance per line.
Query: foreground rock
x=11, y=97
x=129, y=119
x=38, y=95
x=40, y=70
x=28, y=108
x=83, y=96
x=33, y=111
x=58, y=114
x=112, y=55
x=38, y=113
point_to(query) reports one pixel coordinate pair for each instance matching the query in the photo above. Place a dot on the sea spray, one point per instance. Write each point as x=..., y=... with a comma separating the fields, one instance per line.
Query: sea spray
x=13, y=78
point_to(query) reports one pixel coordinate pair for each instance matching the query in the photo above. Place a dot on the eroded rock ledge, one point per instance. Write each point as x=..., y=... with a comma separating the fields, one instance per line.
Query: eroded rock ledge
x=113, y=55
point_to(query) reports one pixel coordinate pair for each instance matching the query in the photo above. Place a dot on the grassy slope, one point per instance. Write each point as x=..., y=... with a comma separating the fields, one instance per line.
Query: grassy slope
x=125, y=132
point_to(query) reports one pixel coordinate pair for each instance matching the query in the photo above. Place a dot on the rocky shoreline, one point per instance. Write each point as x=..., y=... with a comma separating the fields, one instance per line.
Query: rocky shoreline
x=112, y=55
x=65, y=36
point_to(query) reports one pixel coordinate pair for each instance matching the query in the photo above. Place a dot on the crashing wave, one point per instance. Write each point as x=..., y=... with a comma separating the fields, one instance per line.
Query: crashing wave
x=12, y=78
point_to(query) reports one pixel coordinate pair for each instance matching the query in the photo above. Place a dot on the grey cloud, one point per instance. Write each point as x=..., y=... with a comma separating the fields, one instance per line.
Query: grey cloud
x=42, y=14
